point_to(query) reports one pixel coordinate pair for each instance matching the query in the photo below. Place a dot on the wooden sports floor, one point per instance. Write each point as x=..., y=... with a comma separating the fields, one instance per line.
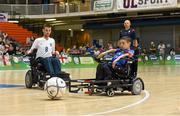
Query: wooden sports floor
x=161, y=97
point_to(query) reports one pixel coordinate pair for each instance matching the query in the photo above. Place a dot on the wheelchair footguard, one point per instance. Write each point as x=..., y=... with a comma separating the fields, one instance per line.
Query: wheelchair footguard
x=110, y=87
x=39, y=78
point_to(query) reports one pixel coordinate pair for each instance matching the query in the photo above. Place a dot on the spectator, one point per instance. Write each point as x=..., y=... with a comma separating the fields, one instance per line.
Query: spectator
x=90, y=50
x=144, y=52
x=109, y=46
x=137, y=48
x=81, y=49
x=5, y=35
x=96, y=52
x=10, y=49
x=30, y=40
x=161, y=48
x=68, y=50
x=87, y=46
x=172, y=52
x=13, y=43
x=1, y=40
x=152, y=48
x=74, y=50
x=101, y=49
x=2, y=46
x=63, y=51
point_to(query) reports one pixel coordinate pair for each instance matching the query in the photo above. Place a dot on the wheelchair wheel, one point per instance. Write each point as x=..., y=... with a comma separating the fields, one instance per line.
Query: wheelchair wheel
x=28, y=79
x=137, y=87
x=110, y=92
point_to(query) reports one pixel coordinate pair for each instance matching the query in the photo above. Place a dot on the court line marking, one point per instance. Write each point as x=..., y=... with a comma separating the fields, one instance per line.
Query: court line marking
x=23, y=70
x=147, y=95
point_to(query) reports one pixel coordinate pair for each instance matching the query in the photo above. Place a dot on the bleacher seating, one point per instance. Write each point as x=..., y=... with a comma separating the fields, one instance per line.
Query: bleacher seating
x=16, y=31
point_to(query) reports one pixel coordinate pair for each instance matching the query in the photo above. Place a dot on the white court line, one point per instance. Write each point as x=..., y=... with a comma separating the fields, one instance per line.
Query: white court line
x=23, y=70
x=147, y=95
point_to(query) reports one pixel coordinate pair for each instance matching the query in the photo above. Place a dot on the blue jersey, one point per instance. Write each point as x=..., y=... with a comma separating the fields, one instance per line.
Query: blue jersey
x=129, y=33
x=121, y=52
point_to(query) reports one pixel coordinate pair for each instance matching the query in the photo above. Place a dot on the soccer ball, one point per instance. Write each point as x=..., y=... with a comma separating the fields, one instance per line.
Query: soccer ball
x=55, y=88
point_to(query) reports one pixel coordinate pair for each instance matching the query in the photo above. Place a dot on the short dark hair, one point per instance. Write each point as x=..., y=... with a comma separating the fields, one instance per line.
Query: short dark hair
x=126, y=38
x=138, y=39
x=46, y=25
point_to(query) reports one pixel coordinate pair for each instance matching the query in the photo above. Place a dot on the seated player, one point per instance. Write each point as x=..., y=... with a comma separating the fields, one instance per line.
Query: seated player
x=45, y=49
x=104, y=69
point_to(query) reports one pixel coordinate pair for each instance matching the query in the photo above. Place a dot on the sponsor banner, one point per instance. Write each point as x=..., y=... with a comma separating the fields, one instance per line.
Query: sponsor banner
x=86, y=60
x=154, y=59
x=145, y=4
x=19, y=62
x=3, y=17
x=103, y=5
x=63, y=58
x=76, y=60
x=177, y=59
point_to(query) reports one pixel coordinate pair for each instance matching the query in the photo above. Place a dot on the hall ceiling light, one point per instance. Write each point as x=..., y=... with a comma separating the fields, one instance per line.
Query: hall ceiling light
x=13, y=21
x=69, y=29
x=82, y=29
x=175, y=13
x=50, y=20
x=58, y=24
x=57, y=21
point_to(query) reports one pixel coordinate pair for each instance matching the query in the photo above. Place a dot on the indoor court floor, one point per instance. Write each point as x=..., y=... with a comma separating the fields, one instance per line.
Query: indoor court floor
x=160, y=98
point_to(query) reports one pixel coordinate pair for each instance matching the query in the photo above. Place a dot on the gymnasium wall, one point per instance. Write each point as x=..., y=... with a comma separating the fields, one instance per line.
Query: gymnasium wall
x=79, y=38
x=177, y=37
x=169, y=34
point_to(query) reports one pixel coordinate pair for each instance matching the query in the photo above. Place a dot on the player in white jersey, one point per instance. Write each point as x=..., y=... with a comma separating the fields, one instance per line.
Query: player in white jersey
x=45, y=49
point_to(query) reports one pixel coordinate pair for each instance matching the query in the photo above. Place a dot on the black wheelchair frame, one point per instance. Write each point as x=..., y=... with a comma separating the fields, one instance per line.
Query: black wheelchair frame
x=127, y=82
x=37, y=75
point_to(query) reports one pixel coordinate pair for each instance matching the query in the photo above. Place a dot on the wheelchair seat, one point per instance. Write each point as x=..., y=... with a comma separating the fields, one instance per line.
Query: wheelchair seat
x=40, y=67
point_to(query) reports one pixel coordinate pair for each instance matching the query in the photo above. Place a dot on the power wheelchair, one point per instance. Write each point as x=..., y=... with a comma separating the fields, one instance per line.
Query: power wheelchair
x=37, y=75
x=122, y=79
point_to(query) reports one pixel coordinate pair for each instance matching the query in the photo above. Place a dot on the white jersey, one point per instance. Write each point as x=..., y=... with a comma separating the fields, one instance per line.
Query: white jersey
x=45, y=47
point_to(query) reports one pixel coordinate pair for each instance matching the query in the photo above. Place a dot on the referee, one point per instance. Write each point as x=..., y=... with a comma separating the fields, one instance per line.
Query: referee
x=128, y=31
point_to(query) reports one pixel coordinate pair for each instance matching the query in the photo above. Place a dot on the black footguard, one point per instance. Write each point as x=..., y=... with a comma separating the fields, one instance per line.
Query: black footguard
x=65, y=76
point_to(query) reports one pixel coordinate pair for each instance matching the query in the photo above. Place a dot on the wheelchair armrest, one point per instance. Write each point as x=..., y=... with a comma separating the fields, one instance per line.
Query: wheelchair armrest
x=134, y=58
x=130, y=60
x=32, y=54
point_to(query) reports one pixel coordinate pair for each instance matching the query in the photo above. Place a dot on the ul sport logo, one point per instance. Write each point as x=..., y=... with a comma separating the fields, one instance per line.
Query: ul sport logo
x=137, y=3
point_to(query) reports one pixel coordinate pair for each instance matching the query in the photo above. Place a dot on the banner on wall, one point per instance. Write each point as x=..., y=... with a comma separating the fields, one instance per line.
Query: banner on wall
x=86, y=60
x=3, y=17
x=177, y=59
x=145, y=4
x=103, y=5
